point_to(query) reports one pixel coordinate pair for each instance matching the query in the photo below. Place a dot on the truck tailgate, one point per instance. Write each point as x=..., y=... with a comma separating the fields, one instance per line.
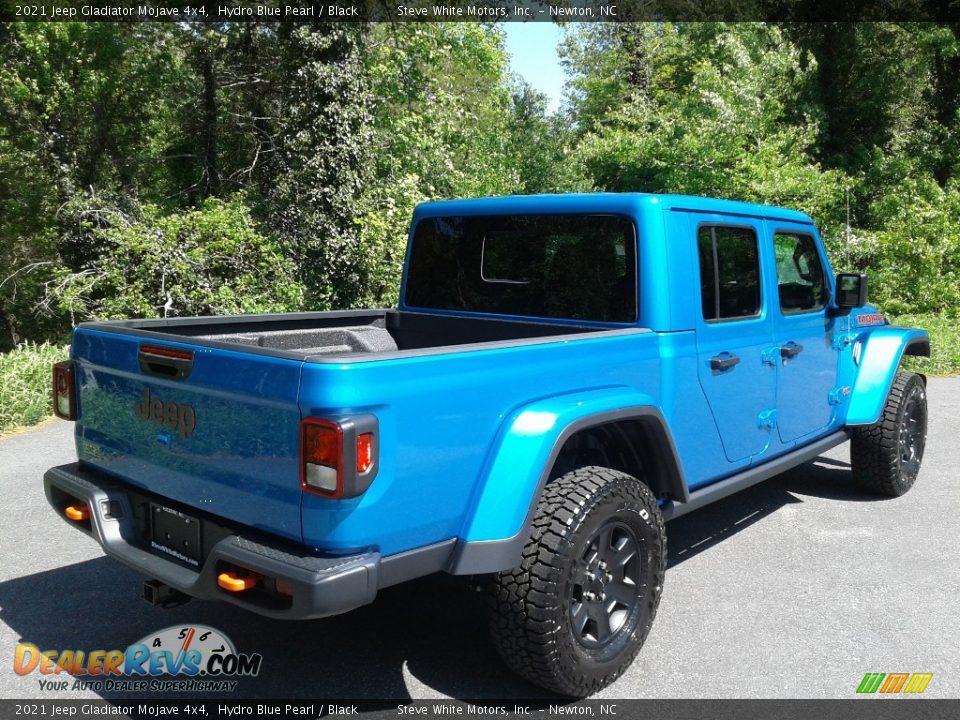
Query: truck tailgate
x=223, y=439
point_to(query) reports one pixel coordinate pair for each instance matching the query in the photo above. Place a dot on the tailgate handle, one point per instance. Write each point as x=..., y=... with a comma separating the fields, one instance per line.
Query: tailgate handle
x=166, y=362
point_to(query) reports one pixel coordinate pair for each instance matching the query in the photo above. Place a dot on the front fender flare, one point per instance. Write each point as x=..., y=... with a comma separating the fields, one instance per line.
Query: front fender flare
x=519, y=466
x=880, y=357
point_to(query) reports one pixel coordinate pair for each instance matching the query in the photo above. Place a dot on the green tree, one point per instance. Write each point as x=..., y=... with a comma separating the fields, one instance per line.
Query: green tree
x=717, y=114
x=323, y=161
x=542, y=144
x=82, y=108
x=441, y=128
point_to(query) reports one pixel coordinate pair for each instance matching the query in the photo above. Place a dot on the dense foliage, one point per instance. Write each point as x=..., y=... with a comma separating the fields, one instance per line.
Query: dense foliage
x=25, y=384
x=155, y=169
x=208, y=260
x=854, y=123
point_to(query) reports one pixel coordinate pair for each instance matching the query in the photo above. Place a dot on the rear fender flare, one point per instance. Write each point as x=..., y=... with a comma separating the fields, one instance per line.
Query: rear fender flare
x=520, y=463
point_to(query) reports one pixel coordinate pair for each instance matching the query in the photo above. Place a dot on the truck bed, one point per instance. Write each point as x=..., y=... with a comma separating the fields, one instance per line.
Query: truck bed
x=336, y=336
x=207, y=411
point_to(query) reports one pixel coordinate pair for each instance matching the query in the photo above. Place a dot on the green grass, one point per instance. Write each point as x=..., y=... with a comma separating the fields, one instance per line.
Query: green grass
x=944, y=344
x=25, y=384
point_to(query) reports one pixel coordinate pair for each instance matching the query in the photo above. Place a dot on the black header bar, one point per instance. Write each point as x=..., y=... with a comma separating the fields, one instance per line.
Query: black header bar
x=558, y=11
x=525, y=709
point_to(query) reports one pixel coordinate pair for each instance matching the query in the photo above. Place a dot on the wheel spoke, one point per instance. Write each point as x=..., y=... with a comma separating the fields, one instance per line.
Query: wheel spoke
x=580, y=617
x=605, y=542
x=625, y=554
x=911, y=467
x=622, y=592
x=599, y=615
x=590, y=556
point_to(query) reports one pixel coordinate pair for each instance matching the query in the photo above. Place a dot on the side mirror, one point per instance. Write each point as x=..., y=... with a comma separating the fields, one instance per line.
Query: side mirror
x=851, y=290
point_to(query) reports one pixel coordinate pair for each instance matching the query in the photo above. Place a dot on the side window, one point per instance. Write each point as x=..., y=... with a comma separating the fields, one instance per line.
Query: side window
x=800, y=278
x=729, y=272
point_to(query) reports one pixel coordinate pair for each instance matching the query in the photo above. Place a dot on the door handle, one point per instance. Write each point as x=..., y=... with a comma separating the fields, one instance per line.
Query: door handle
x=790, y=350
x=723, y=361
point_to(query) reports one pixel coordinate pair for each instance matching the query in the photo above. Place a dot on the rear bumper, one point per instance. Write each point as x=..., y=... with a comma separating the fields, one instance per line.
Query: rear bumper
x=320, y=586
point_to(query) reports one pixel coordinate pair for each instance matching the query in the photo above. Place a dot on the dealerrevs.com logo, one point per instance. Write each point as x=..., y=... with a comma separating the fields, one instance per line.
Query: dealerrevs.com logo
x=894, y=683
x=204, y=656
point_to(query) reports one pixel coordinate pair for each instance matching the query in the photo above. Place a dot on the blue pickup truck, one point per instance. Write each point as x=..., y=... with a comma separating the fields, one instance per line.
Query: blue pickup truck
x=563, y=375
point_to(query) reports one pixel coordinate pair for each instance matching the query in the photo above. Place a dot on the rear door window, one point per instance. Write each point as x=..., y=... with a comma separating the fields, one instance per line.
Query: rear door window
x=729, y=272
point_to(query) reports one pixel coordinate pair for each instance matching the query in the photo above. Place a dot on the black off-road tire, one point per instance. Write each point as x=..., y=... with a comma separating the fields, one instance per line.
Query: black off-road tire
x=547, y=615
x=886, y=456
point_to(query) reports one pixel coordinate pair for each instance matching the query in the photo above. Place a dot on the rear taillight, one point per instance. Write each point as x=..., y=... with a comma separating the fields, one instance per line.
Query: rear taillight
x=64, y=397
x=338, y=459
x=322, y=450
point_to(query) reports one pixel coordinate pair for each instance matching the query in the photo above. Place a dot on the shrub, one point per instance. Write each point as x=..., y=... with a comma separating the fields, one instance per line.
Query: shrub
x=944, y=344
x=914, y=260
x=205, y=261
x=25, y=383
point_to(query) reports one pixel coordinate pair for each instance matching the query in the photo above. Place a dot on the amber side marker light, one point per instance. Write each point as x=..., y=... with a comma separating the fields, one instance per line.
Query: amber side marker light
x=77, y=513
x=64, y=397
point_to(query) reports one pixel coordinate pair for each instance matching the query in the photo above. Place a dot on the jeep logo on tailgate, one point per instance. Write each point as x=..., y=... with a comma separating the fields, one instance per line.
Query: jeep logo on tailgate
x=176, y=416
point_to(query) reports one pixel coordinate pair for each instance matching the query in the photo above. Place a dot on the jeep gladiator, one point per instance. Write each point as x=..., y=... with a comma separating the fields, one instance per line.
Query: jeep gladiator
x=562, y=375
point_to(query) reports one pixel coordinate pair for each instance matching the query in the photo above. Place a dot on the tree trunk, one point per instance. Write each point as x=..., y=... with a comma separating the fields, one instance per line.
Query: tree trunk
x=211, y=183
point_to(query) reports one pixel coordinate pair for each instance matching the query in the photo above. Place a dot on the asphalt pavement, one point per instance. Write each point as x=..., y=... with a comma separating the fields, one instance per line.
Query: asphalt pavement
x=792, y=589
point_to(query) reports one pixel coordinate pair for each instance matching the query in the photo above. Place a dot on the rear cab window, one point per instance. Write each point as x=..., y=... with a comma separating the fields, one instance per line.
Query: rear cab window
x=575, y=267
